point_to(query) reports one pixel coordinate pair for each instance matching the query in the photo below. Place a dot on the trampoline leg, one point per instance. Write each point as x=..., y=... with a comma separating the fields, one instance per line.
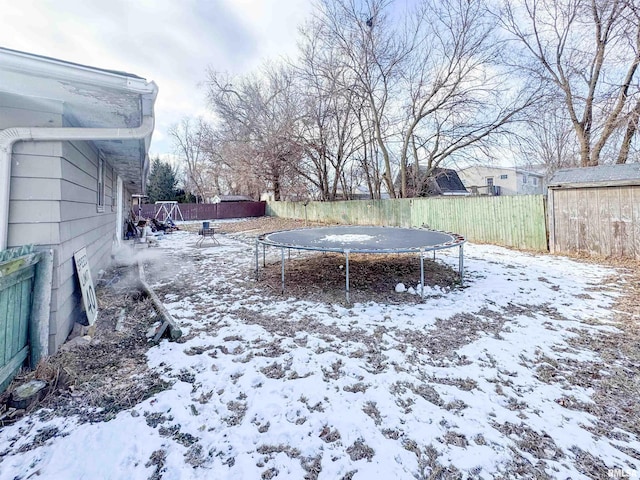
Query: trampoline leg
x=282, y=249
x=264, y=256
x=461, y=263
x=434, y=255
x=257, y=261
x=422, y=275
x=346, y=253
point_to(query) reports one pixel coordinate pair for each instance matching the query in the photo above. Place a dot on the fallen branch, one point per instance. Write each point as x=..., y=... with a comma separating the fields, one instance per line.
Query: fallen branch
x=168, y=322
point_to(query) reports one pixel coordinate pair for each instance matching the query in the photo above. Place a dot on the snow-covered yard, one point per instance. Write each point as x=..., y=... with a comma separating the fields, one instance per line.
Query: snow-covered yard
x=527, y=372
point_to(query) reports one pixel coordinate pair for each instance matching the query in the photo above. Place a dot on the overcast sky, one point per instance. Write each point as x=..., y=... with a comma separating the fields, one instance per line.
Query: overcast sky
x=168, y=41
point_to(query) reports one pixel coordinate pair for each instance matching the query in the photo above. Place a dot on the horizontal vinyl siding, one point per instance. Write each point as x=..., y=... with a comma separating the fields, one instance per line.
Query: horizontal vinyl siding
x=35, y=188
x=33, y=233
x=36, y=159
x=34, y=211
x=62, y=320
x=34, y=206
x=80, y=226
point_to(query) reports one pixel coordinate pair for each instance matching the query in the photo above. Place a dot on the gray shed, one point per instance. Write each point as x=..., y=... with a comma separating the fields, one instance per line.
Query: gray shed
x=596, y=210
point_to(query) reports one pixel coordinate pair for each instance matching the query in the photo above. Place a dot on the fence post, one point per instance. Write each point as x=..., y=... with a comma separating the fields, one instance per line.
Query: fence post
x=39, y=319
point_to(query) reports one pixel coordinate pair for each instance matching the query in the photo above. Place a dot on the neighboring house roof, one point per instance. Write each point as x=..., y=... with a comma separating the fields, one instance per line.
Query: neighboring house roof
x=232, y=198
x=441, y=181
x=88, y=97
x=626, y=174
x=447, y=181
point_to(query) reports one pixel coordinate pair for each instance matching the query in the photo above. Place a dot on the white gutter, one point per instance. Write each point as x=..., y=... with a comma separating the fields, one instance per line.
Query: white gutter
x=10, y=136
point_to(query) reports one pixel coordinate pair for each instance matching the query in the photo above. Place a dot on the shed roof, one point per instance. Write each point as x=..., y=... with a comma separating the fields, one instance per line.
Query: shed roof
x=626, y=174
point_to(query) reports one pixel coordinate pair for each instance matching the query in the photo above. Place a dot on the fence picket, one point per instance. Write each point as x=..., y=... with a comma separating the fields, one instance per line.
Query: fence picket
x=512, y=221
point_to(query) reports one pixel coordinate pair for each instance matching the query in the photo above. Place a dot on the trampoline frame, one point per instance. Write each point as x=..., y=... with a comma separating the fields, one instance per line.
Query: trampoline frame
x=457, y=241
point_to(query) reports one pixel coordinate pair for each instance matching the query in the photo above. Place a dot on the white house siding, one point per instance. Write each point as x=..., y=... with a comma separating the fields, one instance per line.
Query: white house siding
x=80, y=226
x=512, y=185
x=477, y=177
x=529, y=188
x=53, y=204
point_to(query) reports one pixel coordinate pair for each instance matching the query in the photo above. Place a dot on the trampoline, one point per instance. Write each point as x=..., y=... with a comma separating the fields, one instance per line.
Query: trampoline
x=355, y=239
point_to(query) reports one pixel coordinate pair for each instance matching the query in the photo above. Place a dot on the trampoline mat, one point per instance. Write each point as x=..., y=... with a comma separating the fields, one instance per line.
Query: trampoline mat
x=361, y=239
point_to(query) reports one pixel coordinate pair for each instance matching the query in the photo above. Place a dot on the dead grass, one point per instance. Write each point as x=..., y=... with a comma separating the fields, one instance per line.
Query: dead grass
x=322, y=277
x=99, y=379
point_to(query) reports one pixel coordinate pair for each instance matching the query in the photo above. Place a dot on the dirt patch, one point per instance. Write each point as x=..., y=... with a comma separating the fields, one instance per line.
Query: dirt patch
x=322, y=277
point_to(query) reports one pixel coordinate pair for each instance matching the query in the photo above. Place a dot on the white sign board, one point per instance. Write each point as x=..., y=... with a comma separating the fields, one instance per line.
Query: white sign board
x=86, y=285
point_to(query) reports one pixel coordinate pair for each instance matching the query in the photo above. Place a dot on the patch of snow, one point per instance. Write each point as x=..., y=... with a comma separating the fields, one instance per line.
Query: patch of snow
x=382, y=391
x=347, y=238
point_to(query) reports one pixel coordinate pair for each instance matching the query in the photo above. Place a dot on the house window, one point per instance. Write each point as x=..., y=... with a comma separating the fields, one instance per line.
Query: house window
x=524, y=179
x=534, y=180
x=100, y=186
x=490, y=181
x=504, y=177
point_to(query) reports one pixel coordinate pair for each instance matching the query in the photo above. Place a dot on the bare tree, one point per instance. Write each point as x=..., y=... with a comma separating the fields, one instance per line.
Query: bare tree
x=372, y=47
x=258, y=116
x=429, y=77
x=460, y=96
x=547, y=139
x=589, y=52
x=189, y=139
x=328, y=132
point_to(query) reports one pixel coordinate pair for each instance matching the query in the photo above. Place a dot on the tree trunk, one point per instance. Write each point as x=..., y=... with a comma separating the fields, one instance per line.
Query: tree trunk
x=632, y=127
x=276, y=189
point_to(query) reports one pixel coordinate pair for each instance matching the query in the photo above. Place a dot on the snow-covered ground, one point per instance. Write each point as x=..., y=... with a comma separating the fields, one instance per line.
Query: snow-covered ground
x=272, y=387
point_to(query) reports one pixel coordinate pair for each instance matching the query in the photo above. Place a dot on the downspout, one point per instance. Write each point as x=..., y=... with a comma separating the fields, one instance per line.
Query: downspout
x=10, y=136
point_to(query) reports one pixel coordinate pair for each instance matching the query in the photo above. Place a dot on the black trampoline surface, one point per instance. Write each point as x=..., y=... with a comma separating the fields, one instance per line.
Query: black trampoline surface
x=358, y=239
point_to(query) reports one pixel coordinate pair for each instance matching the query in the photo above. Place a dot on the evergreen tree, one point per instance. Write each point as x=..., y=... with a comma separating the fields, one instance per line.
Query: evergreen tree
x=161, y=185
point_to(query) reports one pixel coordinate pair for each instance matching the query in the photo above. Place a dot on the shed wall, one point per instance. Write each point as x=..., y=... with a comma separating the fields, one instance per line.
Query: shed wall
x=597, y=221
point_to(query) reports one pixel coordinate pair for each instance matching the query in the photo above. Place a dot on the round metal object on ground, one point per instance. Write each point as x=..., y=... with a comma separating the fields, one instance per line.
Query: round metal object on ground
x=355, y=239
x=362, y=239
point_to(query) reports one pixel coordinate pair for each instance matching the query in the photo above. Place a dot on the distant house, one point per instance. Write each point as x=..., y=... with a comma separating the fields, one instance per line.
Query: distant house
x=441, y=181
x=481, y=180
x=74, y=144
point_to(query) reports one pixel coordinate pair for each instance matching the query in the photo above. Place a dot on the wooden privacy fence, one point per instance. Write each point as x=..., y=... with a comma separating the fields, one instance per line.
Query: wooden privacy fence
x=212, y=211
x=17, y=272
x=517, y=221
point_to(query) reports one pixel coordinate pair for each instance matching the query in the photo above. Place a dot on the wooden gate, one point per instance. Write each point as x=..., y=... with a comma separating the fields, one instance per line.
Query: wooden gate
x=17, y=272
